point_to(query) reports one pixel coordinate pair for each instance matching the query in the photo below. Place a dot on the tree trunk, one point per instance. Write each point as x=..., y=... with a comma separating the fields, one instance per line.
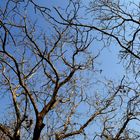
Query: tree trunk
x=17, y=135
x=38, y=128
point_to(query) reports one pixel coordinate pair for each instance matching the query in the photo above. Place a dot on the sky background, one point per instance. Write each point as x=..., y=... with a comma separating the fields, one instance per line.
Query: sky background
x=108, y=61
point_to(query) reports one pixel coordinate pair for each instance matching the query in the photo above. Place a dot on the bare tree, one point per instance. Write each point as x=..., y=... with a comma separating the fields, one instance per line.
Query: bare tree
x=47, y=65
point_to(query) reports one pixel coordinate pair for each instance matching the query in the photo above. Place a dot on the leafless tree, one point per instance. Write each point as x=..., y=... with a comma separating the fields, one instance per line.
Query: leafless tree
x=48, y=65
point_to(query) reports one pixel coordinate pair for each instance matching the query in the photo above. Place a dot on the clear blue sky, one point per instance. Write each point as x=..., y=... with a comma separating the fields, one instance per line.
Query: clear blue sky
x=108, y=60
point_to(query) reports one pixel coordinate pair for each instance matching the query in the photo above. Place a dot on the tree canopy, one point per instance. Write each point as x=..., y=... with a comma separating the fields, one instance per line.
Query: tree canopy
x=51, y=83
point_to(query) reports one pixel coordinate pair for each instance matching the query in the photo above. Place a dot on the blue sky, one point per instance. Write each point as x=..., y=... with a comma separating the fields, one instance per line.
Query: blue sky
x=107, y=61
